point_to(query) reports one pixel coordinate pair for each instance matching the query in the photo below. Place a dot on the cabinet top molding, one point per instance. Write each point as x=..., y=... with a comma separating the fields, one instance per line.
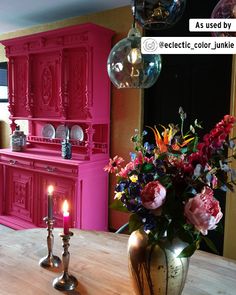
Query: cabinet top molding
x=62, y=37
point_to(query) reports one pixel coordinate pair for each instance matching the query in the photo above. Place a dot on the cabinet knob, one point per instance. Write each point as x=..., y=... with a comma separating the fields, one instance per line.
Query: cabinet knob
x=50, y=169
x=12, y=162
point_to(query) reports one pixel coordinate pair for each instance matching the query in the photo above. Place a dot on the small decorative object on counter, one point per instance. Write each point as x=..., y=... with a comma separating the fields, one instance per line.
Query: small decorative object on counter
x=51, y=261
x=66, y=281
x=18, y=140
x=66, y=152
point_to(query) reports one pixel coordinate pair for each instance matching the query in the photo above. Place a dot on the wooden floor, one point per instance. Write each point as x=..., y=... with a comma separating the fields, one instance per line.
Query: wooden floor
x=5, y=229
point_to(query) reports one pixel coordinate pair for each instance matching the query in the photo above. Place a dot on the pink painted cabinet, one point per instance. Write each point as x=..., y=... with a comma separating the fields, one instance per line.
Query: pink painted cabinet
x=58, y=81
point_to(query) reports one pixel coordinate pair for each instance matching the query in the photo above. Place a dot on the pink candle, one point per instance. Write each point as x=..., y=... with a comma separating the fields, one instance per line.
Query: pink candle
x=66, y=216
x=50, y=202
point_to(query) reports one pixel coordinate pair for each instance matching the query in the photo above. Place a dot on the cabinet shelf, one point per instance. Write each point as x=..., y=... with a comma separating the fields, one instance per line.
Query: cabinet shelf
x=39, y=139
x=97, y=147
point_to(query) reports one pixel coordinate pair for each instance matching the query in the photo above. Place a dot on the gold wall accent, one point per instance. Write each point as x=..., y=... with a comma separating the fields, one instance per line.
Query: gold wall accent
x=230, y=210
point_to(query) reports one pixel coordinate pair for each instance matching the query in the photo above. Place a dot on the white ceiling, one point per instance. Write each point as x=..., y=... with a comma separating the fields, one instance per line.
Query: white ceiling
x=19, y=14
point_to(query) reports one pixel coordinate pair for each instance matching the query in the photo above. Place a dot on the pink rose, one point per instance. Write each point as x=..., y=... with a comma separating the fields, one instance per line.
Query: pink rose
x=153, y=195
x=203, y=211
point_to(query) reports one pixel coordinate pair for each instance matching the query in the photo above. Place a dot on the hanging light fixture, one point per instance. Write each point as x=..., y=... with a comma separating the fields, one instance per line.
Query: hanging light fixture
x=159, y=14
x=127, y=67
x=224, y=9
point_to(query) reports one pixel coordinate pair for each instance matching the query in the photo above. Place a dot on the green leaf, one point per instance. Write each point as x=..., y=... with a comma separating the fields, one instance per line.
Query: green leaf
x=134, y=223
x=184, y=150
x=118, y=205
x=188, y=251
x=210, y=244
x=147, y=167
x=165, y=181
x=195, y=143
x=186, y=236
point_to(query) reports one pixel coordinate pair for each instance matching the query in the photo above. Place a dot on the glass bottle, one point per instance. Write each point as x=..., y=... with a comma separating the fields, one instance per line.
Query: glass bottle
x=18, y=140
x=66, y=152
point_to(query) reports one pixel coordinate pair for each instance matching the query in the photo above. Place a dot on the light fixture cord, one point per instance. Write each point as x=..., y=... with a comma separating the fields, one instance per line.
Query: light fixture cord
x=134, y=13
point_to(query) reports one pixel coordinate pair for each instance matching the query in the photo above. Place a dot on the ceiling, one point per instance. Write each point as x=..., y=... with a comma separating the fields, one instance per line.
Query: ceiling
x=15, y=14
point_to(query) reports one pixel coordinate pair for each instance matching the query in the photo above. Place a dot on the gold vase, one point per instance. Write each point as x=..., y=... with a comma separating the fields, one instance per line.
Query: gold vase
x=155, y=269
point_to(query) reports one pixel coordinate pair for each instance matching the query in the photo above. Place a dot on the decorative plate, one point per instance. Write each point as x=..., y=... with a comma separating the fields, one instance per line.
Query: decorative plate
x=48, y=131
x=62, y=131
x=76, y=132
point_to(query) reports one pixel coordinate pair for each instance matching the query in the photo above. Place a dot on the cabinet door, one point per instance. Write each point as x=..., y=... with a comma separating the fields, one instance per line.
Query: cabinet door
x=20, y=193
x=64, y=189
x=45, y=85
x=18, y=86
x=78, y=85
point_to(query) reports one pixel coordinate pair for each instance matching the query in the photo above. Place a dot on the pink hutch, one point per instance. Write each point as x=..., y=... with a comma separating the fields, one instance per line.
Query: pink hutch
x=58, y=78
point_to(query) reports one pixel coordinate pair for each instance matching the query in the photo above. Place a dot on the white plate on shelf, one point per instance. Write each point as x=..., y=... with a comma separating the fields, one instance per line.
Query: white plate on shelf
x=48, y=131
x=76, y=132
x=61, y=131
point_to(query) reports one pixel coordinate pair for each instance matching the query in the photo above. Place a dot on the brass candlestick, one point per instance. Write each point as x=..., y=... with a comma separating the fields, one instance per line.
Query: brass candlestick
x=50, y=261
x=65, y=282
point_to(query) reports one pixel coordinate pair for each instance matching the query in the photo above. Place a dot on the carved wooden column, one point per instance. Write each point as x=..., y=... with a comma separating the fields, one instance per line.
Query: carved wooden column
x=11, y=93
x=29, y=92
x=63, y=92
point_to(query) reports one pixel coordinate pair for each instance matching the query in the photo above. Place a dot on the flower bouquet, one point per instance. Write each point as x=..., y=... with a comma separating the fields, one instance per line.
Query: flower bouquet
x=170, y=187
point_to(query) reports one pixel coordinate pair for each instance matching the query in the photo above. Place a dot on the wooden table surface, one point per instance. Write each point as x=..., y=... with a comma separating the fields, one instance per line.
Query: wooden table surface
x=99, y=262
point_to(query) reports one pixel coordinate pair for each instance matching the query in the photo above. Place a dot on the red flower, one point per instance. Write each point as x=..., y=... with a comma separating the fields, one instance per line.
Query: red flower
x=211, y=142
x=153, y=195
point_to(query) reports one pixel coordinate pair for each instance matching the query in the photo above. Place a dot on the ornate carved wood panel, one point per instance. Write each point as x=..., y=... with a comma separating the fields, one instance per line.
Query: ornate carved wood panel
x=20, y=194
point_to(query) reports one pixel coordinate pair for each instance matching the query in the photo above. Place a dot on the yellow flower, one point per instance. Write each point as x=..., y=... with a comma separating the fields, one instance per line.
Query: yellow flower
x=133, y=178
x=118, y=195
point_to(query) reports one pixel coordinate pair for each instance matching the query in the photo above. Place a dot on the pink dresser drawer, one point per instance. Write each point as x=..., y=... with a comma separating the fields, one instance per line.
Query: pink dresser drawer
x=16, y=161
x=66, y=170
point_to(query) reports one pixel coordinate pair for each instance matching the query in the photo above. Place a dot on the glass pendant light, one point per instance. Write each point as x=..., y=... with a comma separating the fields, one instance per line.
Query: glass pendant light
x=224, y=9
x=128, y=68
x=159, y=14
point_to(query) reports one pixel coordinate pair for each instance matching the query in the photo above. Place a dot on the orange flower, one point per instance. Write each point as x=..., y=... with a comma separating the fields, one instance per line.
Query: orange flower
x=164, y=141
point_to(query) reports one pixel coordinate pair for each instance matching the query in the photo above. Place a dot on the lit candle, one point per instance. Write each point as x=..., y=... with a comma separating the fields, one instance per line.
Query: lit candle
x=66, y=218
x=50, y=202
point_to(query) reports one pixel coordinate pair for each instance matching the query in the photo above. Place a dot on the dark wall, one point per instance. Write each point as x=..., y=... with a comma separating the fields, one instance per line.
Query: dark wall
x=199, y=83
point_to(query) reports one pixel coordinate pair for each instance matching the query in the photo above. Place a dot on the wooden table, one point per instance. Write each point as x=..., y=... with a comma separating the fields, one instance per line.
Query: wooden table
x=99, y=262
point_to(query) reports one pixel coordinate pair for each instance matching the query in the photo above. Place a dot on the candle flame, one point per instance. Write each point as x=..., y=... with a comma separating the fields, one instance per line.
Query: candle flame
x=65, y=207
x=50, y=189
